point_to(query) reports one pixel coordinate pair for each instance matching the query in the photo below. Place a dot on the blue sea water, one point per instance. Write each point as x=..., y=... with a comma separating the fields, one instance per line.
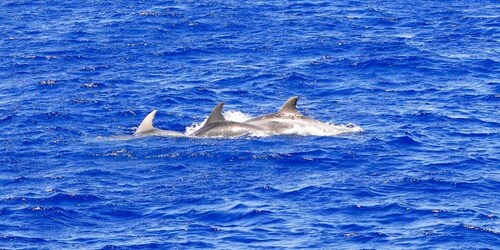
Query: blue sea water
x=422, y=78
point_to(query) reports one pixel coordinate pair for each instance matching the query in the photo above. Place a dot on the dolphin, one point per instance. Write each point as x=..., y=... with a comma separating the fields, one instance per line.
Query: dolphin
x=146, y=128
x=217, y=126
x=288, y=118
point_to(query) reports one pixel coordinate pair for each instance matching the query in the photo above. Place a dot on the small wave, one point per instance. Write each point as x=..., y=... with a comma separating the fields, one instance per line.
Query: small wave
x=67, y=198
x=63, y=197
x=97, y=172
x=94, y=68
x=31, y=240
x=405, y=140
x=5, y=211
x=228, y=217
x=48, y=83
x=481, y=229
x=93, y=85
x=181, y=52
x=480, y=134
x=52, y=115
x=6, y=118
x=67, y=131
x=56, y=215
x=58, y=198
x=390, y=62
x=85, y=101
x=120, y=153
x=162, y=245
x=113, y=213
x=429, y=116
x=296, y=77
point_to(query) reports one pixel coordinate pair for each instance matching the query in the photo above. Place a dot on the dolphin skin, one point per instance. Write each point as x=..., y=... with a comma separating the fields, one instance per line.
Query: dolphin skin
x=217, y=126
x=287, y=118
x=146, y=128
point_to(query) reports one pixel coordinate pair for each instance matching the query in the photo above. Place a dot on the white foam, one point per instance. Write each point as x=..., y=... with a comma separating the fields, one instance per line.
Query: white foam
x=195, y=126
x=236, y=116
x=322, y=129
x=230, y=115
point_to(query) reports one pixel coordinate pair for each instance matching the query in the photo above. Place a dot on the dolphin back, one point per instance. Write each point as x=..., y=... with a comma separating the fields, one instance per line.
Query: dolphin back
x=226, y=129
x=217, y=126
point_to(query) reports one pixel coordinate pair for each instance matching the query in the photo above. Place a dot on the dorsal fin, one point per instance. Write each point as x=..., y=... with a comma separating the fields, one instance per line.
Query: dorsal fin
x=146, y=124
x=216, y=115
x=290, y=107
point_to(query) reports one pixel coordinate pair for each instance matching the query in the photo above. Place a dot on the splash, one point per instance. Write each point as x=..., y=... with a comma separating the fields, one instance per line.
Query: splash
x=230, y=115
x=236, y=116
x=322, y=129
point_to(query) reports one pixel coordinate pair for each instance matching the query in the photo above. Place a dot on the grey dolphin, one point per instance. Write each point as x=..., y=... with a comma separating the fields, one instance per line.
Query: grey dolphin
x=217, y=126
x=146, y=128
x=287, y=118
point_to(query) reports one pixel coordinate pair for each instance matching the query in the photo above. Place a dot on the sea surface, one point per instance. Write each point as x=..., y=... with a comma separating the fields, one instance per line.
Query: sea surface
x=421, y=79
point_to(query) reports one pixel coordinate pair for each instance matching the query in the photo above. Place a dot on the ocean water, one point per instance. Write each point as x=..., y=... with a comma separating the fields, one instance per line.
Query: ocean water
x=421, y=78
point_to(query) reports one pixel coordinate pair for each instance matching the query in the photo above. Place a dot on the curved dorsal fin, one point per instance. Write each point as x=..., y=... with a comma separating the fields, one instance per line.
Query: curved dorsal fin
x=216, y=115
x=290, y=107
x=146, y=124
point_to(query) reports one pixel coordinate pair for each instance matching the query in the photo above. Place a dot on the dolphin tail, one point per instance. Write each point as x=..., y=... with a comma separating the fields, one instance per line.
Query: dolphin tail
x=146, y=124
x=290, y=107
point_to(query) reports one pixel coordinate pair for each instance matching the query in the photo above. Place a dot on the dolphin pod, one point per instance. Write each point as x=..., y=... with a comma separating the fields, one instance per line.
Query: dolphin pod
x=288, y=120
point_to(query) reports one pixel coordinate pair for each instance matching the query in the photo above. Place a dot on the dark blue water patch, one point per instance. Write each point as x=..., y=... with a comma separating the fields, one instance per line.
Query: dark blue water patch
x=19, y=241
x=56, y=199
x=406, y=140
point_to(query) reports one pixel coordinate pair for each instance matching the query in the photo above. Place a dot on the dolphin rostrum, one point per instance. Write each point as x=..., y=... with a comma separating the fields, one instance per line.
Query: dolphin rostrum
x=288, y=118
x=146, y=128
x=217, y=126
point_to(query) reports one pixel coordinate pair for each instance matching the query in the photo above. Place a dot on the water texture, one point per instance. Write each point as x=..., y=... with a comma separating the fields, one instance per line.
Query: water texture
x=422, y=78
